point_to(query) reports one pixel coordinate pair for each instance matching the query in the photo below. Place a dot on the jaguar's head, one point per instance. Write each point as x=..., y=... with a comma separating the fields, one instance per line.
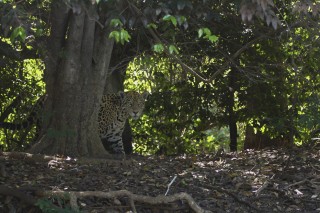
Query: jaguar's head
x=133, y=103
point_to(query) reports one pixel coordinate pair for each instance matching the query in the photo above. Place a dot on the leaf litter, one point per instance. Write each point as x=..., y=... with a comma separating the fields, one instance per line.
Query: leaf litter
x=248, y=181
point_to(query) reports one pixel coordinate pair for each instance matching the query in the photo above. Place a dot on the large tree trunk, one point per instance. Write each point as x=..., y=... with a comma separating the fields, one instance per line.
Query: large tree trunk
x=77, y=61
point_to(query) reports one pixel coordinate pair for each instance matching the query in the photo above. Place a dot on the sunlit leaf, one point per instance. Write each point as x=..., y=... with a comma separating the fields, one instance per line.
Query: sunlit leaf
x=204, y=31
x=158, y=48
x=124, y=36
x=207, y=31
x=18, y=32
x=213, y=38
x=166, y=17
x=173, y=49
x=170, y=18
x=200, y=32
x=115, y=35
x=116, y=23
x=152, y=25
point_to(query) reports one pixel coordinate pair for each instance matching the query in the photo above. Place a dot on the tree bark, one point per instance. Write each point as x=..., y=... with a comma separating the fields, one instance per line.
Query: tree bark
x=77, y=61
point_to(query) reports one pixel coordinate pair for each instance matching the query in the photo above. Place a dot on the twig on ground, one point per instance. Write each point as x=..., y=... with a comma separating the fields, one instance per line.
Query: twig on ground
x=264, y=185
x=169, y=185
x=318, y=170
x=297, y=183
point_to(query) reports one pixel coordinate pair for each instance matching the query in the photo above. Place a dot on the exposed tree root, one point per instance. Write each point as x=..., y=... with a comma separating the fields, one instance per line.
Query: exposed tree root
x=113, y=161
x=161, y=199
x=74, y=196
x=28, y=156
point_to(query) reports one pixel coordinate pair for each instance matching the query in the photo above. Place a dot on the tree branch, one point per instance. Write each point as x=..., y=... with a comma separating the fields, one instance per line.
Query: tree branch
x=185, y=66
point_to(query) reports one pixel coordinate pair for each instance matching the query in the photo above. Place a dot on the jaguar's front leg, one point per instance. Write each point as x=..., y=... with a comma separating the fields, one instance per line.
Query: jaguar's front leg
x=116, y=144
x=117, y=147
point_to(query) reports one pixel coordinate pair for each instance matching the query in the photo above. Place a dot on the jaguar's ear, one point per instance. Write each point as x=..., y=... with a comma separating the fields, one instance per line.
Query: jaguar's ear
x=121, y=94
x=145, y=95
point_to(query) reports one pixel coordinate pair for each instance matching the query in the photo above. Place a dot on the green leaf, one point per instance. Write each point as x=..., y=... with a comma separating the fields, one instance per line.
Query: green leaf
x=124, y=36
x=115, y=22
x=120, y=36
x=174, y=21
x=166, y=17
x=115, y=35
x=207, y=31
x=158, y=48
x=200, y=32
x=204, y=31
x=173, y=49
x=127, y=36
x=207, y=34
x=213, y=38
x=170, y=18
x=152, y=25
x=18, y=32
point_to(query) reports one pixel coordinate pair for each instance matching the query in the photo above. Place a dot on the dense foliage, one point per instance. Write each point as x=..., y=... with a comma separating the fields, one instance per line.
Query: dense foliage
x=209, y=66
x=274, y=84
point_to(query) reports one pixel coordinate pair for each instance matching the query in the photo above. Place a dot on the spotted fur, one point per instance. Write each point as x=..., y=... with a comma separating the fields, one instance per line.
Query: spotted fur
x=115, y=109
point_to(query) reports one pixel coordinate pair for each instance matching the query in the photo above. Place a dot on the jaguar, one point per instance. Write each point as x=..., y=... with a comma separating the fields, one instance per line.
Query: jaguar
x=114, y=111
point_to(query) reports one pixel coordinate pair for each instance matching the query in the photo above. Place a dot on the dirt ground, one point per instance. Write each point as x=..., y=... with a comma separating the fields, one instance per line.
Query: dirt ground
x=248, y=181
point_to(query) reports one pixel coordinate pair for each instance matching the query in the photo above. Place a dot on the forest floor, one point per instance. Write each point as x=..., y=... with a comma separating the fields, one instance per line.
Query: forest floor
x=248, y=181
